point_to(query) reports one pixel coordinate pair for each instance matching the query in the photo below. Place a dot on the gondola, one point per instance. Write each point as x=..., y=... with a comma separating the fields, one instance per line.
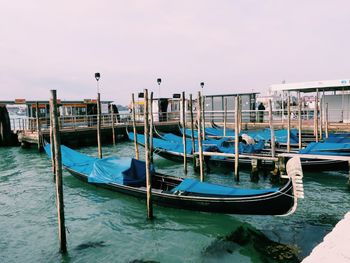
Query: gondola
x=174, y=151
x=127, y=176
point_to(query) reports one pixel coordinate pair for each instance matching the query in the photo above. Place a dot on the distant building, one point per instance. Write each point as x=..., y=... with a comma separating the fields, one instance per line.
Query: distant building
x=335, y=93
x=66, y=108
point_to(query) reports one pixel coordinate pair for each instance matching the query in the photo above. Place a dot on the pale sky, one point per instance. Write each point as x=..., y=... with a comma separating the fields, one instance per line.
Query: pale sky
x=233, y=46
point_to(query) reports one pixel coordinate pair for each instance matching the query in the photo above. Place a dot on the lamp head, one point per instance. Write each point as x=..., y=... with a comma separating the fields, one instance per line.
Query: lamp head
x=97, y=76
x=202, y=84
x=159, y=80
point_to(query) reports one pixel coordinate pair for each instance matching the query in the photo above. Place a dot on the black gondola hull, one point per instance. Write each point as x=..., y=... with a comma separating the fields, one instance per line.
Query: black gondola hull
x=277, y=203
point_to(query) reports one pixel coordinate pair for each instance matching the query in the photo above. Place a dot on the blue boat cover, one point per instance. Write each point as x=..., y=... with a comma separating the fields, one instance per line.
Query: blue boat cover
x=194, y=187
x=188, y=133
x=219, y=132
x=325, y=148
x=338, y=137
x=257, y=135
x=72, y=159
x=121, y=170
x=163, y=144
x=176, y=145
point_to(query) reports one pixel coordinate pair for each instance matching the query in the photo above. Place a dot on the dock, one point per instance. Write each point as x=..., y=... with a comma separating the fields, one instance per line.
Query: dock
x=335, y=245
x=86, y=135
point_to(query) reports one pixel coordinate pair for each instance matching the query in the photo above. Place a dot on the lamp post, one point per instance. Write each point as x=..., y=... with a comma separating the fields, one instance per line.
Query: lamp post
x=99, y=149
x=159, y=80
x=97, y=77
x=203, y=111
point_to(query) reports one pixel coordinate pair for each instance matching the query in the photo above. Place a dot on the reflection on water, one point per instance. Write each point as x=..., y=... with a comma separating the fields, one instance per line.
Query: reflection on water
x=111, y=227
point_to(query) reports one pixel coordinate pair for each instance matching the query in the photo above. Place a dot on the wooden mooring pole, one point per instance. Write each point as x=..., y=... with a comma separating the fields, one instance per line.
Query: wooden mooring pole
x=203, y=116
x=299, y=121
x=236, y=139
x=273, y=141
x=52, y=144
x=38, y=127
x=147, y=157
x=183, y=101
x=326, y=121
x=58, y=170
x=240, y=115
x=151, y=127
x=225, y=117
x=112, y=119
x=134, y=127
x=200, y=134
x=192, y=131
x=316, y=117
x=288, y=123
x=271, y=130
x=99, y=147
x=321, y=117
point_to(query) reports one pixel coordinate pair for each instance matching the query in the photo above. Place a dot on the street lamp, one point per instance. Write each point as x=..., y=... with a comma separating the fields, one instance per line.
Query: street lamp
x=159, y=80
x=97, y=77
x=203, y=111
x=99, y=148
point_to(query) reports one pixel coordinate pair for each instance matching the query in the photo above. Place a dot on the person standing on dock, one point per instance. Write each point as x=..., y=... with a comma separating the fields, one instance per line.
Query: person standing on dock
x=261, y=108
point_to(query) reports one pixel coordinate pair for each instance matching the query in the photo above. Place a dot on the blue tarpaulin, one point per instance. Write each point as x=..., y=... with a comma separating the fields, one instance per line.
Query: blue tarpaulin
x=257, y=135
x=194, y=187
x=338, y=137
x=325, y=148
x=176, y=145
x=121, y=170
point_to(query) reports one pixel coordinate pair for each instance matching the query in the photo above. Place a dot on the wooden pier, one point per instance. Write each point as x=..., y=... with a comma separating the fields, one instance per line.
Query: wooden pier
x=84, y=136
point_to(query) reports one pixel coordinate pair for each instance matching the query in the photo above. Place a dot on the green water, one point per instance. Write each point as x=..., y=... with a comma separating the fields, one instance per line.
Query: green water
x=109, y=227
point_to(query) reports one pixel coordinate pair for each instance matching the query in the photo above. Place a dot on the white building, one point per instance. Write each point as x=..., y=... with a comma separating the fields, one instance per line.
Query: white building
x=335, y=93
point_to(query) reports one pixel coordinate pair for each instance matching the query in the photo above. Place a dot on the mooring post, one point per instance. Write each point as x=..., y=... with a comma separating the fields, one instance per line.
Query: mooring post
x=282, y=165
x=316, y=117
x=183, y=101
x=99, y=148
x=240, y=115
x=282, y=109
x=203, y=116
x=321, y=117
x=254, y=176
x=192, y=132
x=272, y=131
x=147, y=157
x=134, y=127
x=200, y=149
x=279, y=169
x=52, y=144
x=299, y=121
x=288, y=122
x=112, y=119
x=225, y=117
x=326, y=124
x=151, y=127
x=59, y=186
x=38, y=128
x=236, y=138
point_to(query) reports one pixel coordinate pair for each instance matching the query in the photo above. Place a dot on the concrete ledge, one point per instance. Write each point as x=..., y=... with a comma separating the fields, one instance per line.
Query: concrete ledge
x=335, y=245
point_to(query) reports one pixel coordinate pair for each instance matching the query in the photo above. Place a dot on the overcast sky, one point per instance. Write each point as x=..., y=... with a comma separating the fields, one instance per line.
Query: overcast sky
x=232, y=46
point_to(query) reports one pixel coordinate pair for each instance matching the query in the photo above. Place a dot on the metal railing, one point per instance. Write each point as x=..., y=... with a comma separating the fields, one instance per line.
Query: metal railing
x=248, y=116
